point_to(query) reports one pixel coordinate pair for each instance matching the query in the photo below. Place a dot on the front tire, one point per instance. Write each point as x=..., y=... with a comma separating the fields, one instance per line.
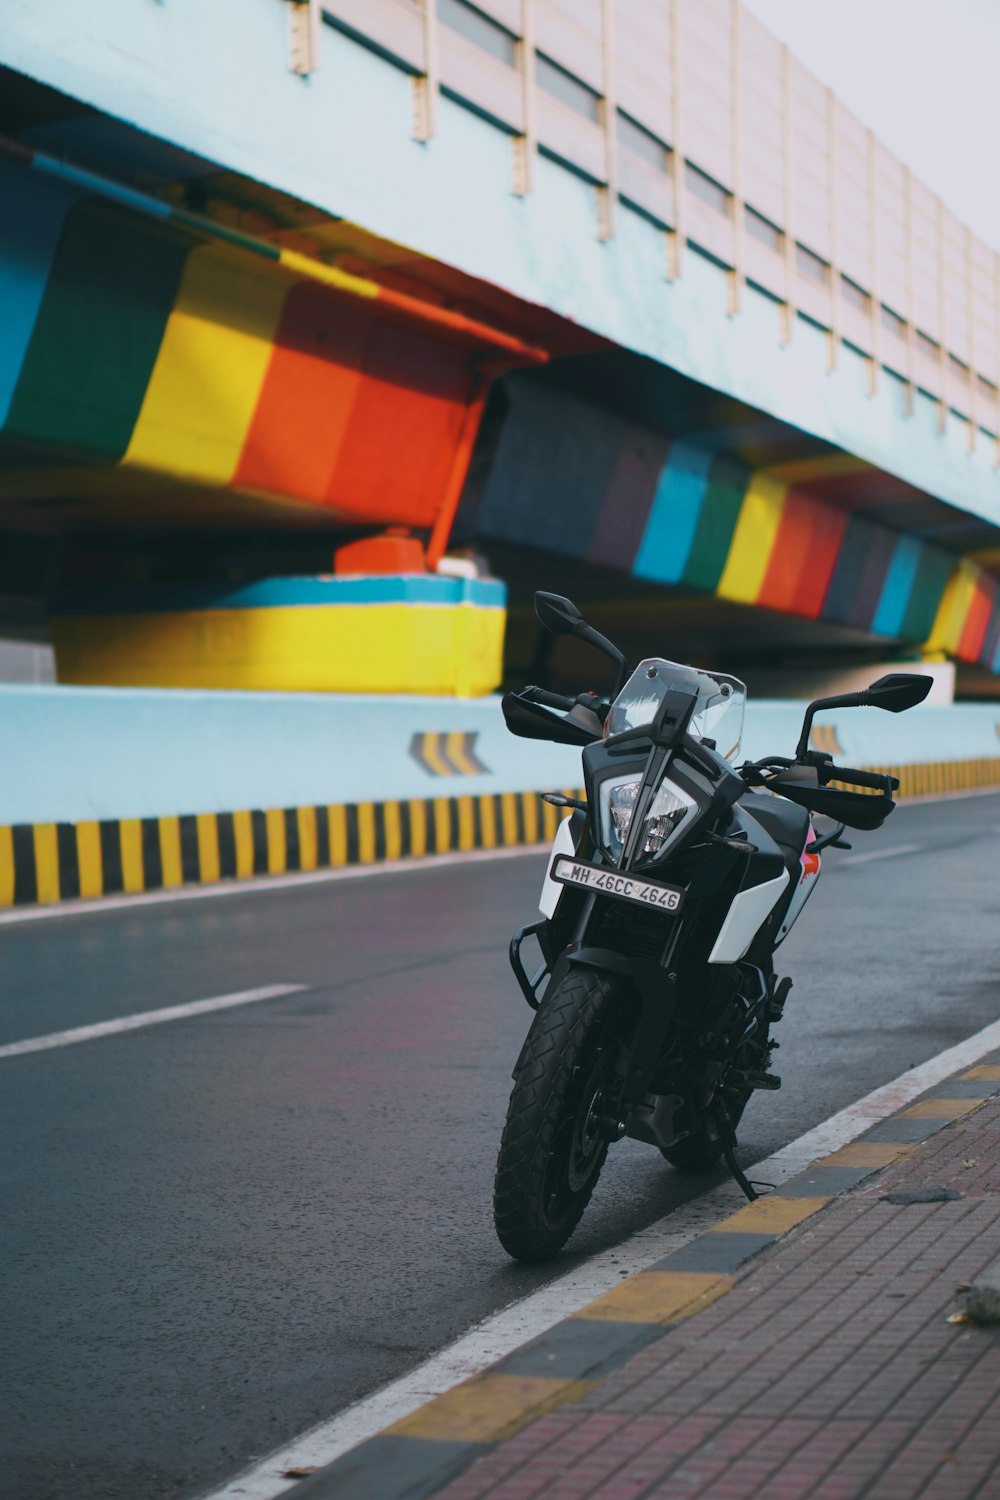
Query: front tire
x=553, y=1145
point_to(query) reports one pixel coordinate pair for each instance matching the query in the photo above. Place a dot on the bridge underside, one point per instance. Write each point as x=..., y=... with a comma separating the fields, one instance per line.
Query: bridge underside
x=203, y=380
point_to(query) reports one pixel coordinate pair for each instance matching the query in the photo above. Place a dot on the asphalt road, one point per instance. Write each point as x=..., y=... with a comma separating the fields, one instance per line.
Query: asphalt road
x=221, y=1230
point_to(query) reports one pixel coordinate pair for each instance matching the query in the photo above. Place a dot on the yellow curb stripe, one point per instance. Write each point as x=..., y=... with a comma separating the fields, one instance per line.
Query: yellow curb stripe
x=366, y=833
x=488, y=822
x=771, y=1215
x=418, y=828
x=658, y=1297
x=508, y=814
x=6, y=866
x=867, y=1154
x=985, y=1073
x=466, y=824
x=133, y=877
x=393, y=830
x=337, y=823
x=939, y=1109
x=46, y=861
x=487, y=1408
x=305, y=818
x=243, y=841
x=208, y=848
x=170, y=852
x=277, y=851
x=442, y=824
x=88, y=860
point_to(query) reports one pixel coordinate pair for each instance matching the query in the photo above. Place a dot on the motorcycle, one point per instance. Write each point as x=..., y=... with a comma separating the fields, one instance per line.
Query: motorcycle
x=667, y=892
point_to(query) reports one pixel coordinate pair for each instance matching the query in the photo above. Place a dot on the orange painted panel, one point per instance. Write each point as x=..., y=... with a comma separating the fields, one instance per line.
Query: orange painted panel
x=405, y=425
x=303, y=414
x=977, y=622
x=805, y=550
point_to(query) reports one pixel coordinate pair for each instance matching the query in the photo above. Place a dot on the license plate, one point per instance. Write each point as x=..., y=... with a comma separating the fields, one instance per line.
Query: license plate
x=614, y=883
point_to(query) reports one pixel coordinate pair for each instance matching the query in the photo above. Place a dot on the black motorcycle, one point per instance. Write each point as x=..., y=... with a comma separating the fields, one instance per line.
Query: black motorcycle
x=668, y=891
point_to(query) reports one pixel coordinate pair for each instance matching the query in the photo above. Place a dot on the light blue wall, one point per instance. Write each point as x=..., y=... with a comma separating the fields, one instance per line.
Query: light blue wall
x=71, y=754
x=213, y=78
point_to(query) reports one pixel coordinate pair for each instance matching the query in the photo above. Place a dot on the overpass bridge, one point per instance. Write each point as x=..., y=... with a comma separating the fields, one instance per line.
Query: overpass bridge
x=616, y=295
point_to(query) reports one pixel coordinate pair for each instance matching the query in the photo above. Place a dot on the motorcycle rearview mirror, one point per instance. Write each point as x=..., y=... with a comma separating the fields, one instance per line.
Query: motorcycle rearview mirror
x=560, y=616
x=894, y=692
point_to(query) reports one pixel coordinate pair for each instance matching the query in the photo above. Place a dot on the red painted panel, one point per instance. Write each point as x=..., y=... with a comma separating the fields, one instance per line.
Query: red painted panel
x=977, y=622
x=304, y=408
x=405, y=425
x=804, y=555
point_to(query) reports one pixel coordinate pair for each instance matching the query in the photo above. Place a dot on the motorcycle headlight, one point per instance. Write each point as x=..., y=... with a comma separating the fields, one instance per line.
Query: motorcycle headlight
x=617, y=807
x=668, y=810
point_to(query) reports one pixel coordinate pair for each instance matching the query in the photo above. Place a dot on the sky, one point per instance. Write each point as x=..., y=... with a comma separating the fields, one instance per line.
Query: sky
x=924, y=74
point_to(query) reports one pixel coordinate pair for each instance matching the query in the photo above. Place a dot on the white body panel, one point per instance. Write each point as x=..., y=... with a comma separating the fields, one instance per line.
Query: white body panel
x=551, y=889
x=807, y=884
x=749, y=910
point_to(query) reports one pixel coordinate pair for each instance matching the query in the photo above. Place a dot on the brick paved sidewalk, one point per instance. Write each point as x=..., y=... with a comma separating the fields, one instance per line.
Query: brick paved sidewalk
x=830, y=1371
x=801, y=1350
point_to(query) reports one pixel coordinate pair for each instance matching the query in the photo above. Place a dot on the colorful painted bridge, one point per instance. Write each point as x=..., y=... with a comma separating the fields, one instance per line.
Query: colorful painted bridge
x=615, y=294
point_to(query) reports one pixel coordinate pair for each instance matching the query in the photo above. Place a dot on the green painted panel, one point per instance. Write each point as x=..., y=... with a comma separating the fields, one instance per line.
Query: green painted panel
x=98, y=331
x=933, y=571
x=727, y=485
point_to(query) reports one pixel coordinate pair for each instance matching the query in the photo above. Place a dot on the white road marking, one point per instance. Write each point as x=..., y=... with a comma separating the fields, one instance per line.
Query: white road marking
x=264, y=883
x=866, y=859
x=148, y=1018
x=506, y=1331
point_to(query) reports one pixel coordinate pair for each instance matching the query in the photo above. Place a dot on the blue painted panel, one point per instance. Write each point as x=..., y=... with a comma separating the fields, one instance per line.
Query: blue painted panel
x=673, y=520
x=33, y=213
x=897, y=587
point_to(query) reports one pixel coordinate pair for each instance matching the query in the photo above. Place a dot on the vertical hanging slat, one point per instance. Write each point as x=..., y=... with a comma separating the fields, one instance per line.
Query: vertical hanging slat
x=911, y=314
x=788, y=195
x=676, y=237
x=736, y=202
x=425, y=85
x=875, y=363
x=831, y=152
x=942, y=320
x=971, y=326
x=303, y=37
x=608, y=194
x=526, y=144
x=996, y=324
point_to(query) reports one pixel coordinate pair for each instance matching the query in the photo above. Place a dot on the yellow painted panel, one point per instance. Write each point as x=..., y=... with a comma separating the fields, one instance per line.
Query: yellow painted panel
x=488, y=822
x=213, y=357
x=209, y=869
x=418, y=827
x=131, y=847
x=46, y=861
x=658, y=1297
x=170, y=852
x=88, y=859
x=338, y=836
x=939, y=1109
x=6, y=866
x=277, y=850
x=442, y=824
x=508, y=815
x=305, y=817
x=393, y=830
x=985, y=1072
x=753, y=539
x=243, y=839
x=366, y=832
x=392, y=648
x=770, y=1215
x=953, y=609
x=466, y=824
x=867, y=1154
x=488, y=1408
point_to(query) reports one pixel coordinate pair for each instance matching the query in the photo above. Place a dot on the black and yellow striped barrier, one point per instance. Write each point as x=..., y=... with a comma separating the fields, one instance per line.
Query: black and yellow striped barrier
x=451, y=754
x=46, y=862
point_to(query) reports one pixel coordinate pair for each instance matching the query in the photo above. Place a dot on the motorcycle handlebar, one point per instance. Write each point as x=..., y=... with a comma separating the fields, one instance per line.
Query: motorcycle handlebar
x=547, y=699
x=847, y=774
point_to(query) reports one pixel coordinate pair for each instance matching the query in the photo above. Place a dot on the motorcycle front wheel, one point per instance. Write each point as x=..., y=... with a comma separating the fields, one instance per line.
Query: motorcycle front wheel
x=553, y=1145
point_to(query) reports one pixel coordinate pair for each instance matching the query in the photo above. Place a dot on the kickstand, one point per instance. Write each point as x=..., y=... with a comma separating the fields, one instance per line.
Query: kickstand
x=729, y=1152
